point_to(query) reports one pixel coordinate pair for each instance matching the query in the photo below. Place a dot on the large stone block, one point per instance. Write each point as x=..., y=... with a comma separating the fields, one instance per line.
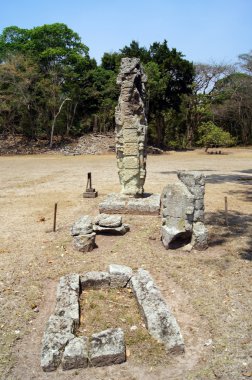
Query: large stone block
x=59, y=331
x=131, y=149
x=108, y=220
x=107, y=347
x=159, y=320
x=67, y=298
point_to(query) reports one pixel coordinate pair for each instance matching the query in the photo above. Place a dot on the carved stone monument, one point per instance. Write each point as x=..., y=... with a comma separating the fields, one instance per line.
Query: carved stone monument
x=131, y=127
x=131, y=145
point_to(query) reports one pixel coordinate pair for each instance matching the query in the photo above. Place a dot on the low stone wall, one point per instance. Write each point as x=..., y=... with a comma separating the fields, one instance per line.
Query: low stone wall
x=61, y=346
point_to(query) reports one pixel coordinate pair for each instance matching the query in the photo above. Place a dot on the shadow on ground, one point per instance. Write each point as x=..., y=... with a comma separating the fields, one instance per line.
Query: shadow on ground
x=239, y=227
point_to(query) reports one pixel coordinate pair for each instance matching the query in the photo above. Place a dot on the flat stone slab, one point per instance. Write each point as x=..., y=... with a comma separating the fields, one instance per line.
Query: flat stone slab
x=108, y=220
x=114, y=203
x=82, y=226
x=122, y=230
x=159, y=320
x=67, y=298
x=107, y=347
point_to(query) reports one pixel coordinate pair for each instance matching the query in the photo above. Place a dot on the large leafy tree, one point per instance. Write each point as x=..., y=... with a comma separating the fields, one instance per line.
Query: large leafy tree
x=170, y=77
x=62, y=62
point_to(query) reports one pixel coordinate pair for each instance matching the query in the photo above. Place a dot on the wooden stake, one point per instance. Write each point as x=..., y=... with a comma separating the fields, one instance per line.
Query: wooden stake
x=226, y=211
x=55, y=216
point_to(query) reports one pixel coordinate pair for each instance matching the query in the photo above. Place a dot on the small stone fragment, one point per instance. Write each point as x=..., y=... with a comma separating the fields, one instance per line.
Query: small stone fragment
x=76, y=354
x=83, y=226
x=95, y=280
x=120, y=275
x=107, y=347
x=85, y=243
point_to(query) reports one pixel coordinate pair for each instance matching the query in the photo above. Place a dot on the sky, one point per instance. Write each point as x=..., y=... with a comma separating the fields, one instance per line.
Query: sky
x=204, y=31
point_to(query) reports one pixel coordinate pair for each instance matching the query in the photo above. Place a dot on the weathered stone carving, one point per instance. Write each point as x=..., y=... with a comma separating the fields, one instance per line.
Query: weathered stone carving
x=131, y=127
x=183, y=212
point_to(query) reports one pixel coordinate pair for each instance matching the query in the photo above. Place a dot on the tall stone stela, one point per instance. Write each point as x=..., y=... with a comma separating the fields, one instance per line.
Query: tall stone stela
x=131, y=128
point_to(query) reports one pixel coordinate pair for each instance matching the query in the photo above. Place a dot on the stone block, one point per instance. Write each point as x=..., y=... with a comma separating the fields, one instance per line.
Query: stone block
x=58, y=332
x=123, y=204
x=76, y=354
x=107, y=348
x=178, y=201
x=131, y=149
x=108, y=220
x=159, y=320
x=199, y=216
x=120, y=275
x=130, y=135
x=83, y=226
x=95, y=280
x=200, y=236
x=131, y=163
x=67, y=298
x=122, y=230
x=85, y=243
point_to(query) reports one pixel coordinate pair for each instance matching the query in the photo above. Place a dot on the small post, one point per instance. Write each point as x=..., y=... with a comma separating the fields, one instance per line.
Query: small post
x=226, y=211
x=55, y=216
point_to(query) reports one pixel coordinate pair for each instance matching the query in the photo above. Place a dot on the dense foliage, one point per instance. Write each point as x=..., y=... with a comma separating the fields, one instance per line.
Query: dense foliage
x=49, y=86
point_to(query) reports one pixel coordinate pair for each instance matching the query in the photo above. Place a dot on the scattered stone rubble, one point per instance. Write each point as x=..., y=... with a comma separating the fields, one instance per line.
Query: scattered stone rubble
x=85, y=229
x=183, y=212
x=131, y=127
x=59, y=343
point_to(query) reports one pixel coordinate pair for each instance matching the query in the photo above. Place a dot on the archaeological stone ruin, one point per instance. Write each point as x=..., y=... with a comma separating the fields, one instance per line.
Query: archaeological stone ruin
x=131, y=145
x=60, y=345
x=131, y=127
x=183, y=212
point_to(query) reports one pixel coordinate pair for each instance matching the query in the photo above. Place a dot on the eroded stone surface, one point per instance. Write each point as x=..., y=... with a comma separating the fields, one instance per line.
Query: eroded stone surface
x=76, y=354
x=67, y=298
x=59, y=331
x=120, y=275
x=95, y=280
x=159, y=320
x=131, y=127
x=85, y=243
x=112, y=230
x=83, y=226
x=121, y=204
x=183, y=212
x=107, y=347
x=108, y=220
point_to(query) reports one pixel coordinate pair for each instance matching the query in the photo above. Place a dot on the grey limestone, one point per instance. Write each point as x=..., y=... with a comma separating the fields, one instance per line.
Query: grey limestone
x=95, y=280
x=85, y=243
x=121, y=204
x=120, y=275
x=76, y=354
x=131, y=127
x=58, y=332
x=83, y=226
x=183, y=211
x=107, y=347
x=159, y=320
x=67, y=298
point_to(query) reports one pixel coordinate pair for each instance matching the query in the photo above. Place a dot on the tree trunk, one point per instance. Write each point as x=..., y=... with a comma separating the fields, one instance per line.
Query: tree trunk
x=54, y=121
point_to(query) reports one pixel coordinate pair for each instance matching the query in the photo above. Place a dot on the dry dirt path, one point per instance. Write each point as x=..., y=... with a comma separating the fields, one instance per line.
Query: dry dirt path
x=209, y=292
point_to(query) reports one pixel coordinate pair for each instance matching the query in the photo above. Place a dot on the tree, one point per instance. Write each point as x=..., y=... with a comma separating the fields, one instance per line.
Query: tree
x=212, y=135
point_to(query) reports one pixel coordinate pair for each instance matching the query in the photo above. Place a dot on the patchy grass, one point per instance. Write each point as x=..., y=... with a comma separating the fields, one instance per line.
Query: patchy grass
x=111, y=308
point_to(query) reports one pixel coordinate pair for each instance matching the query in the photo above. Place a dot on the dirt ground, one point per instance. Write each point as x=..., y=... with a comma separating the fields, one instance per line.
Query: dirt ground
x=209, y=292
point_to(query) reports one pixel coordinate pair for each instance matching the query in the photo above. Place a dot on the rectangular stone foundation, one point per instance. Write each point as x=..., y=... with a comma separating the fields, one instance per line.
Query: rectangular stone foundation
x=114, y=203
